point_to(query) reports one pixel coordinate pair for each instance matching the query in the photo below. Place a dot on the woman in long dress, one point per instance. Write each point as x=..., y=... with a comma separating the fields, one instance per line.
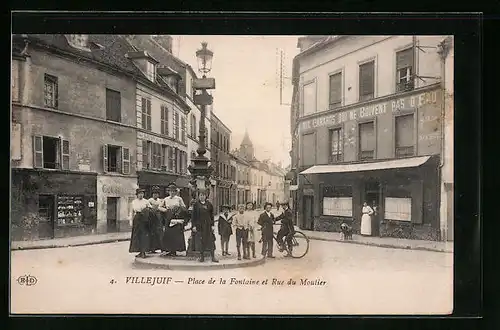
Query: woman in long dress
x=156, y=220
x=176, y=217
x=202, y=220
x=366, y=220
x=140, y=239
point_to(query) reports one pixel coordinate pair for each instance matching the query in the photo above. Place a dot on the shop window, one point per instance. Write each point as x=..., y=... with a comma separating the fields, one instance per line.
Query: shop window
x=183, y=130
x=405, y=136
x=156, y=156
x=113, y=105
x=335, y=90
x=309, y=99
x=367, y=81
x=405, y=70
x=397, y=208
x=337, y=201
x=336, y=145
x=164, y=119
x=69, y=210
x=367, y=141
x=308, y=149
x=50, y=91
x=50, y=152
x=176, y=125
x=146, y=114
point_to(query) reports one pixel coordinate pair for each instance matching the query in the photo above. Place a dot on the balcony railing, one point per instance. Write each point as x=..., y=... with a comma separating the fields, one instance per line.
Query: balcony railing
x=405, y=86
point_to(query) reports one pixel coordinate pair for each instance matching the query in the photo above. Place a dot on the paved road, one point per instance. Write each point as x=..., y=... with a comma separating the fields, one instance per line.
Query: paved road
x=357, y=280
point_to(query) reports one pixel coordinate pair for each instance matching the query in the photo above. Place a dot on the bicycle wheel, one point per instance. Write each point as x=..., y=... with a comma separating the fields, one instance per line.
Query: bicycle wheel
x=300, y=245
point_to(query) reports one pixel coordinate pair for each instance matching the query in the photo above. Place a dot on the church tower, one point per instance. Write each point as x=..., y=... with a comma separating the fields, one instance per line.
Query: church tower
x=246, y=148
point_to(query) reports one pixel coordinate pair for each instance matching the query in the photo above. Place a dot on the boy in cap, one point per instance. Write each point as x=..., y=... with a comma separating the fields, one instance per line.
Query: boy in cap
x=225, y=229
x=240, y=222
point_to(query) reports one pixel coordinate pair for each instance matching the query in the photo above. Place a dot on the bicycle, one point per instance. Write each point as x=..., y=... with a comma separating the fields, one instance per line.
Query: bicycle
x=300, y=244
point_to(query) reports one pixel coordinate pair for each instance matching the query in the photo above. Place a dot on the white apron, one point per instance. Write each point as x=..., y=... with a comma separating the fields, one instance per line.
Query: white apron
x=366, y=221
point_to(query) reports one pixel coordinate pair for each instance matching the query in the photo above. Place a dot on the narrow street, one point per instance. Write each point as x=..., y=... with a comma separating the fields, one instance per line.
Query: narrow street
x=359, y=279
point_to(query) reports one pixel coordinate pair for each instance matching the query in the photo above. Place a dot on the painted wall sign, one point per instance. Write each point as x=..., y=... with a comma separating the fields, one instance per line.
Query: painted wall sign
x=373, y=110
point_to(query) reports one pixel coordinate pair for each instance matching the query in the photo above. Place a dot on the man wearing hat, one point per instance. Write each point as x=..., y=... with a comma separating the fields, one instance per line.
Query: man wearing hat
x=175, y=220
x=156, y=224
x=202, y=219
x=224, y=228
x=139, y=220
x=266, y=221
x=286, y=228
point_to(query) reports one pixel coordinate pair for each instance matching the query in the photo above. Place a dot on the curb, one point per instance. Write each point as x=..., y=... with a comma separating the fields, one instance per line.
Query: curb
x=143, y=264
x=41, y=247
x=381, y=245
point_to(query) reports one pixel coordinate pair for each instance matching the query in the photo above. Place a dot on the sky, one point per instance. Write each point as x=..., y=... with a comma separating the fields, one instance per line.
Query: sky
x=247, y=95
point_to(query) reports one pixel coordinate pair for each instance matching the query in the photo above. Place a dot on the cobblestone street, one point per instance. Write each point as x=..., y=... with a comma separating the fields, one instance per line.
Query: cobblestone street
x=359, y=280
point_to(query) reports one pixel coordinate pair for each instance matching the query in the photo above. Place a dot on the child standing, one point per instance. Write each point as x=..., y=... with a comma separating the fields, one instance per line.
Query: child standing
x=224, y=228
x=252, y=230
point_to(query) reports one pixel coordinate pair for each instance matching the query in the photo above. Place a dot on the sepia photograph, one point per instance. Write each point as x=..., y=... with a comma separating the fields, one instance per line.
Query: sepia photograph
x=232, y=174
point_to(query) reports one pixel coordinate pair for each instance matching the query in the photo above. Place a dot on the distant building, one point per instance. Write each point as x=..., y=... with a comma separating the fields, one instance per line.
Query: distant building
x=370, y=122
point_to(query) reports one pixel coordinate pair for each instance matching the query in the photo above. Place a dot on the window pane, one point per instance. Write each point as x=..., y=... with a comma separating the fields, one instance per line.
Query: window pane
x=336, y=88
x=404, y=58
x=366, y=80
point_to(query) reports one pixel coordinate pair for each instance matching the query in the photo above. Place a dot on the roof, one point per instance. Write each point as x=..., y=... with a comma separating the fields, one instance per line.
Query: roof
x=112, y=53
x=320, y=45
x=246, y=139
x=219, y=122
x=359, y=167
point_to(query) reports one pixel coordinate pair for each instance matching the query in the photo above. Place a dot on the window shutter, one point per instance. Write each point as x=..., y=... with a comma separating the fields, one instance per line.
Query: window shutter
x=162, y=112
x=183, y=129
x=125, y=160
x=366, y=79
x=37, y=151
x=64, y=154
x=145, y=156
x=167, y=114
x=336, y=88
x=149, y=114
x=404, y=58
x=163, y=155
x=143, y=109
x=56, y=93
x=105, y=157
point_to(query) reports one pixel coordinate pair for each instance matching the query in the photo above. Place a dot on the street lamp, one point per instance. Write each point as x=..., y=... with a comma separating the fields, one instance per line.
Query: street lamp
x=199, y=169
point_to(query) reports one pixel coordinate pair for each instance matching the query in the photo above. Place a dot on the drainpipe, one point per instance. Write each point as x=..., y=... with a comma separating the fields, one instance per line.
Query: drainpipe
x=443, y=50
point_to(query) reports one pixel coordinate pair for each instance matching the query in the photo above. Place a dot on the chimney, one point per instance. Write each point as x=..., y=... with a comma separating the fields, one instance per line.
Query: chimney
x=165, y=41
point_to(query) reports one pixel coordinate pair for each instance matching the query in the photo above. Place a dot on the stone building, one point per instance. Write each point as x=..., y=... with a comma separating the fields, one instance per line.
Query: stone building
x=73, y=134
x=224, y=171
x=367, y=125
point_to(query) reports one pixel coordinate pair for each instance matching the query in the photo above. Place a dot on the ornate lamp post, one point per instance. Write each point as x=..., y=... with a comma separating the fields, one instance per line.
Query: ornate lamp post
x=199, y=169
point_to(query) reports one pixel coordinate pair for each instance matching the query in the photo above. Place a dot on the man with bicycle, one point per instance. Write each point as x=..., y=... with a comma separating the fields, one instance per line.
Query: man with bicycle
x=286, y=230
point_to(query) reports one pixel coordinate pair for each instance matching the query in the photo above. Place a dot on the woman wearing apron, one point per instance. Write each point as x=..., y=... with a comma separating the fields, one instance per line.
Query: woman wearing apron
x=366, y=220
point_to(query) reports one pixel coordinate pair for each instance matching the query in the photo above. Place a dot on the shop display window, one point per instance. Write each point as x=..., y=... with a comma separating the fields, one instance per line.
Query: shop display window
x=69, y=210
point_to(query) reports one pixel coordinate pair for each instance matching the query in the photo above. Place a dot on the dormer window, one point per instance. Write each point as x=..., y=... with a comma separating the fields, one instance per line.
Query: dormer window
x=170, y=77
x=151, y=71
x=173, y=82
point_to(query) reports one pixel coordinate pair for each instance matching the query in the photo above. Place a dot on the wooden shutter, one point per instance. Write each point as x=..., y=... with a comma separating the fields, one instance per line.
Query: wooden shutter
x=143, y=109
x=148, y=102
x=125, y=160
x=367, y=79
x=404, y=58
x=162, y=120
x=64, y=154
x=105, y=157
x=183, y=129
x=37, y=151
x=145, y=154
x=336, y=88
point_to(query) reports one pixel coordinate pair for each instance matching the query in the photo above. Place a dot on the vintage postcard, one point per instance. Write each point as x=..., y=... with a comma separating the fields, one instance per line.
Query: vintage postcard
x=249, y=174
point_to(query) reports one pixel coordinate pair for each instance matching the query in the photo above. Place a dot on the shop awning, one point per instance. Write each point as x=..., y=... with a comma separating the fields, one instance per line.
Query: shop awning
x=384, y=165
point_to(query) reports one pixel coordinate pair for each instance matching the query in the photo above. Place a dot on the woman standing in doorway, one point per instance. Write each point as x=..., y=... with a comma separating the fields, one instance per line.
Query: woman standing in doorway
x=366, y=220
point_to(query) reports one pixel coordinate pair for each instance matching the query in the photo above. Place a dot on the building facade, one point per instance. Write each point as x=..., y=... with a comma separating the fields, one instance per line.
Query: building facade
x=367, y=127
x=221, y=162
x=73, y=135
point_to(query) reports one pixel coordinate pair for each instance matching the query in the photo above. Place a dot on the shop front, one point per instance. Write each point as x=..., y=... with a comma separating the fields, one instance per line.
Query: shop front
x=52, y=204
x=147, y=179
x=114, y=198
x=404, y=194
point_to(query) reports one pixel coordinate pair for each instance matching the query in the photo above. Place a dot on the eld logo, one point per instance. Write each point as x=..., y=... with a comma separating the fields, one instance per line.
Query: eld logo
x=27, y=280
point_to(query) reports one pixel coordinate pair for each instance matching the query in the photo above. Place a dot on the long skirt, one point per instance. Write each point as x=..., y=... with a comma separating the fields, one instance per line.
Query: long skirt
x=173, y=239
x=366, y=225
x=156, y=227
x=140, y=239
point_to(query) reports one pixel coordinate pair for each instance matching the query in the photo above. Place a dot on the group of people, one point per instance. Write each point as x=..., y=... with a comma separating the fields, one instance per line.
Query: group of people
x=158, y=224
x=247, y=226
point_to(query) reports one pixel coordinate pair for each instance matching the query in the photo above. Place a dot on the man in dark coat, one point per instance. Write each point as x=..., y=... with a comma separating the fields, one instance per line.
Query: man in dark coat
x=203, y=223
x=224, y=226
x=286, y=228
x=266, y=221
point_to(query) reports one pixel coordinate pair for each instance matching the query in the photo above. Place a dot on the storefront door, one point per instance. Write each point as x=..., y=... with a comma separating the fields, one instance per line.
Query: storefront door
x=373, y=198
x=308, y=213
x=46, y=212
x=112, y=213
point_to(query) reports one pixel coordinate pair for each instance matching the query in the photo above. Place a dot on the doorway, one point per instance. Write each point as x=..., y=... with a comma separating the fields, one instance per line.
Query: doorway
x=112, y=214
x=373, y=198
x=308, y=213
x=46, y=212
